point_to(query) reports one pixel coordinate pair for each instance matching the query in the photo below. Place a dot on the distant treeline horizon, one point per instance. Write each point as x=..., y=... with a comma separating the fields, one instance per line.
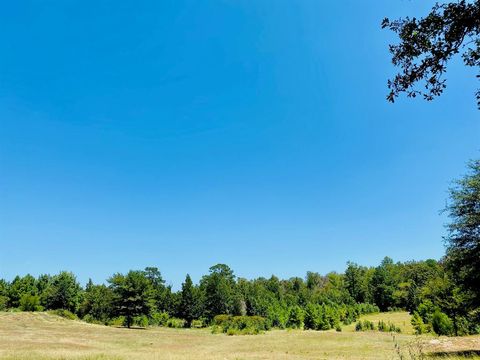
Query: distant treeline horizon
x=320, y=302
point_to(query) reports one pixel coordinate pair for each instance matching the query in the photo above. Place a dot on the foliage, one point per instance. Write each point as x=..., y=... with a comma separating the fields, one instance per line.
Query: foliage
x=441, y=323
x=428, y=44
x=383, y=284
x=296, y=317
x=318, y=302
x=3, y=303
x=30, y=303
x=463, y=240
x=387, y=327
x=189, y=301
x=218, y=289
x=418, y=324
x=159, y=318
x=236, y=325
x=197, y=324
x=64, y=313
x=97, y=303
x=176, y=323
x=62, y=292
x=19, y=287
x=132, y=295
x=364, y=325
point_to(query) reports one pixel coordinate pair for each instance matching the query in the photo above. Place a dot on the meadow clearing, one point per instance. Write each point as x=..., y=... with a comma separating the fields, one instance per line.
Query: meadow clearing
x=43, y=336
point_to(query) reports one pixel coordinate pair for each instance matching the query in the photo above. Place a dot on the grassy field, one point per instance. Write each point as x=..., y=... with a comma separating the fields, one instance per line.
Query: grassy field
x=43, y=336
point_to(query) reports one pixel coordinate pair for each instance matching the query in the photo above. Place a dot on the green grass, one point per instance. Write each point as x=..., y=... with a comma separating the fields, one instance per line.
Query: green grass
x=398, y=318
x=46, y=337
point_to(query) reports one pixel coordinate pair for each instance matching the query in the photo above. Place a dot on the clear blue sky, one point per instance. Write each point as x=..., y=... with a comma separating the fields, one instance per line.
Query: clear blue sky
x=181, y=134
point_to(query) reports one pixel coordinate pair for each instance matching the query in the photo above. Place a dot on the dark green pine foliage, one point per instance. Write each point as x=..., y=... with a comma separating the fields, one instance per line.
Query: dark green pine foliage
x=132, y=295
x=188, y=301
x=62, y=292
x=463, y=240
x=219, y=291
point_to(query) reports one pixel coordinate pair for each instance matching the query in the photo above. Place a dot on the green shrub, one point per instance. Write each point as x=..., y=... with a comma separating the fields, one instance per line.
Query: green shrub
x=158, y=319
x=394, y=328
x=176, y=323
x=91, y=320
x=382, y=326
x=221, y=320
x=313, y=317
x=30, y=302
x=296, y=317
x=338, y=328
x=364, y=325
x=277, y=315
x=3, y=303
x=418, y=324
x=64, y=313
x=216, y=329
x=236, y=325
x=232, y=331
x=140, y=321
x=118, y=321
x=197, y=324
x=441, y=323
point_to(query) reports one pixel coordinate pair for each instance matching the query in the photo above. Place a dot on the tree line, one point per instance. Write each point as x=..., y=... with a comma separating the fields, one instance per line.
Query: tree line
x=320, y=302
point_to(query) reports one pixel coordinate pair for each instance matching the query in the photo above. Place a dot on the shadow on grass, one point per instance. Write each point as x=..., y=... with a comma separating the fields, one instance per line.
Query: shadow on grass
x=130, y=328
x=467, y=354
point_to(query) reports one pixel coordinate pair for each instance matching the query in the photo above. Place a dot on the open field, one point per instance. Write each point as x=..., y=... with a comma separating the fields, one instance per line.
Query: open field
x=43, y=336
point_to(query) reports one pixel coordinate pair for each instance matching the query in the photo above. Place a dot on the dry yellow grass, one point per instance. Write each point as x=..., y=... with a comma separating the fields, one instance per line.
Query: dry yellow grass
x=44, y=337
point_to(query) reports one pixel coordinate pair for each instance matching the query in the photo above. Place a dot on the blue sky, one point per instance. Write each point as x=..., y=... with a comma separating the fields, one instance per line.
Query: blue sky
x=181, y=134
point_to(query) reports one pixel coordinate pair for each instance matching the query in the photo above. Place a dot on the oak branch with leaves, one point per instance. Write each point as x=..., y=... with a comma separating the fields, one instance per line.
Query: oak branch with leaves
x=427, y=44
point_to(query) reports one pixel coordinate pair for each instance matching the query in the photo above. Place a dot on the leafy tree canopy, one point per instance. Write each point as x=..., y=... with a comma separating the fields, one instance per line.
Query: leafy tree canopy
x=428, y=44
x=463, y=240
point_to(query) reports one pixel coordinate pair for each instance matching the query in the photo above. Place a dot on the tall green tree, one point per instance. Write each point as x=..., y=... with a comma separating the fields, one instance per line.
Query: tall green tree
x=219, y=291
x=463, y=239
x=355, y=282
x=97, y=302
x=162, y=294
x=19, y=287
x=132, y=295
x=427, y=45
x=62, y=292
x=3, y=294
x=189, y=301
x=383, y=284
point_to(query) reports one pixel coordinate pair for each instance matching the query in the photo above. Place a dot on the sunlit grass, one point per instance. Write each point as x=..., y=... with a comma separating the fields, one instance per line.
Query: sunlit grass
x=46, y=337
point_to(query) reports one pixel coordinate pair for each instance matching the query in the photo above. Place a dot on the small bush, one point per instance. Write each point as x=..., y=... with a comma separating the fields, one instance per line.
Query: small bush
x=197, y=324
x=221, y=319
x=159, y=319
x=140, y=321
x=118, y=321
x=418, y=324
x=239, y=325
x=215, y=329
x=441, y=323
x=338, y=328
x=30, y=303
x=91, y=320
x=64, y=313
x=364, y=325
x=175, y=323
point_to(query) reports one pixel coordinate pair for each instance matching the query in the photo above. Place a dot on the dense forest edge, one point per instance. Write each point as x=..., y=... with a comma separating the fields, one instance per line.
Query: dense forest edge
x=443, y=296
